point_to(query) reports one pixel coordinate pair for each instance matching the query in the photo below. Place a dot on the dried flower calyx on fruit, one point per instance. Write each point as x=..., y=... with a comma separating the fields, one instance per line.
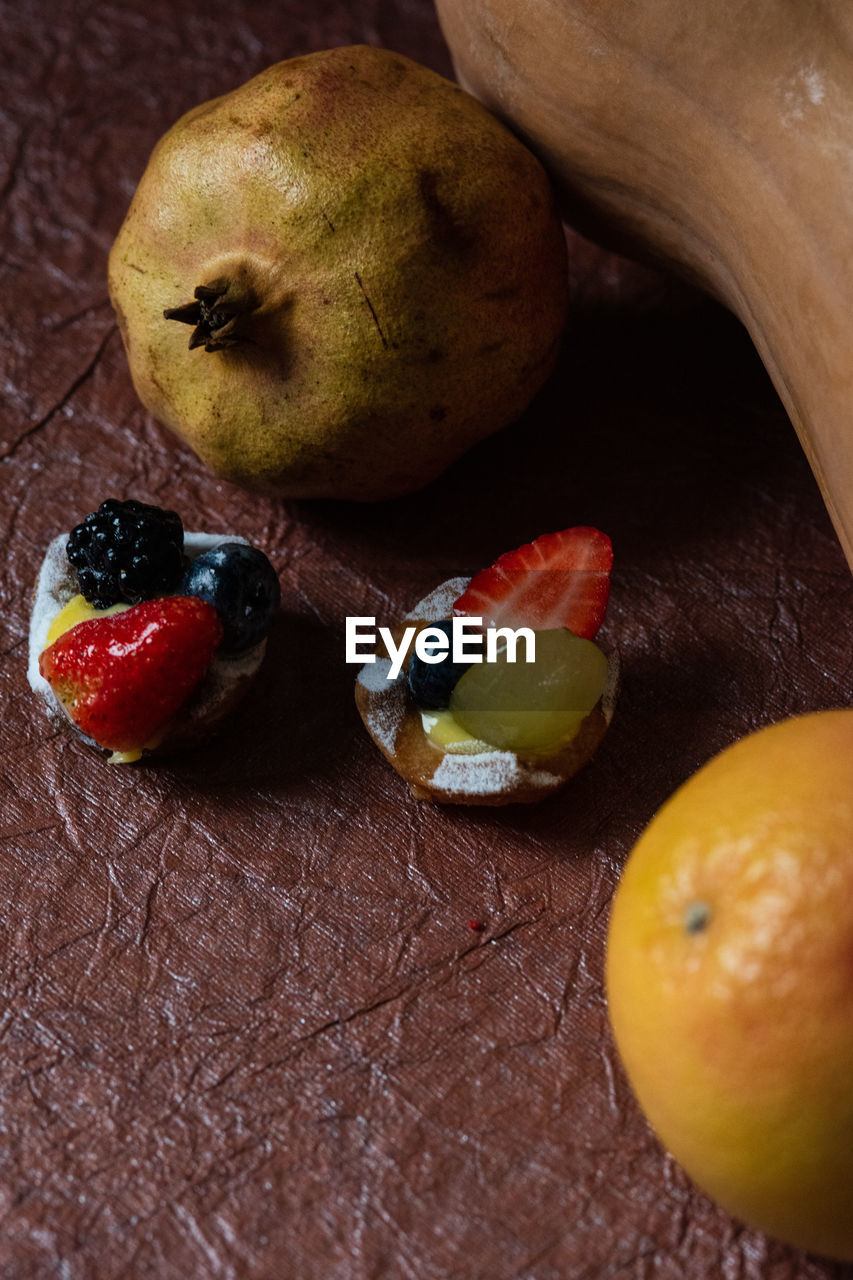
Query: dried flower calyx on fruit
x=214, y=315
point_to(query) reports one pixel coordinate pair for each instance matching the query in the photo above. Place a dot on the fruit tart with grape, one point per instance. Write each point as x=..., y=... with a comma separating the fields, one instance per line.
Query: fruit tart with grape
x=143, y=638
x=504, y=729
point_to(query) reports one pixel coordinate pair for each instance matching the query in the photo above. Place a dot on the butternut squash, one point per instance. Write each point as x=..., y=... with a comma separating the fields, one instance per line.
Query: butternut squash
x=714, y=136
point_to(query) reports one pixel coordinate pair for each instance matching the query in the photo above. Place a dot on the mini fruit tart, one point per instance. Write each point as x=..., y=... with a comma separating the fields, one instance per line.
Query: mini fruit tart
x=144, y=638
x=485, y=725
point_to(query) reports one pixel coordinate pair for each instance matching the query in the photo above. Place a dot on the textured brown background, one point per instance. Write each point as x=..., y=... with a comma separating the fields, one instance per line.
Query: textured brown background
x=246, y=1030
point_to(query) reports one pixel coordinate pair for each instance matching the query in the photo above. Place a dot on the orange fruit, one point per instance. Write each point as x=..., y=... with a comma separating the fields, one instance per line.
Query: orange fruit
x=730, y=979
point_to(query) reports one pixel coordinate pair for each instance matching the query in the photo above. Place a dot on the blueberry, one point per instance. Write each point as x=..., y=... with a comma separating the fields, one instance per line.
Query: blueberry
x=243, y=588
x=431, y=683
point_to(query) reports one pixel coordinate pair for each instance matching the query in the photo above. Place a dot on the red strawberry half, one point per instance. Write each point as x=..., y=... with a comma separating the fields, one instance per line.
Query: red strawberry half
x=560, y=580
x=122, y=678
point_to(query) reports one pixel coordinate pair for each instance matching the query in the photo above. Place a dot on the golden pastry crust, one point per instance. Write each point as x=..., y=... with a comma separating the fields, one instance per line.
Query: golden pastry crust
x=492, y=777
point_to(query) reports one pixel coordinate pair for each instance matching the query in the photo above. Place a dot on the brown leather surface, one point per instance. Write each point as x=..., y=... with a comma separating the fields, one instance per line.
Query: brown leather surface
x=246, y=1027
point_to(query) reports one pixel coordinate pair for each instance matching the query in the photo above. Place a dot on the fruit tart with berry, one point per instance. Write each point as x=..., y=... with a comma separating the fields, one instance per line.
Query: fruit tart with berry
x=492, y=723
x=144, y=637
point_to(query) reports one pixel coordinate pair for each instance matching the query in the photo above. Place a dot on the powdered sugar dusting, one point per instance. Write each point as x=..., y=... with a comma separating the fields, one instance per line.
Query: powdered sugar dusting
x=374, y=675
x=813, y=85
x=801, y=93
x=439, y=603
x=54, y=589
x=489, y=773
x=387, y=711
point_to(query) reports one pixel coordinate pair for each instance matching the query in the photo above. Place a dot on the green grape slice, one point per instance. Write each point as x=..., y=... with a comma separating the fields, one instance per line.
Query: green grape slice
x=532, y=707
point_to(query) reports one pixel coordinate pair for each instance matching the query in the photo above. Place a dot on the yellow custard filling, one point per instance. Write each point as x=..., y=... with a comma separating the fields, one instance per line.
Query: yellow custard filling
x=445, y=732
x=77, y=610
x=125, y=757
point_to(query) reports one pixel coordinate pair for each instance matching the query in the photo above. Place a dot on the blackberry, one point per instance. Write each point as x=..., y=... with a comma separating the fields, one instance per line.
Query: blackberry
x=126, y=552
x=243, y=587
x=431, y=683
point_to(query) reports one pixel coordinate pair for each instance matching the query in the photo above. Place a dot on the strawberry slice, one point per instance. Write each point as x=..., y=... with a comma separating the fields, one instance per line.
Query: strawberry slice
x=560, y=580
x=122, y=678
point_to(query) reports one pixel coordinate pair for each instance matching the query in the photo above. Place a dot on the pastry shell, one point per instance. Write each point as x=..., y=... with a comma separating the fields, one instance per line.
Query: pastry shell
x=220, y=691
x=492, y=777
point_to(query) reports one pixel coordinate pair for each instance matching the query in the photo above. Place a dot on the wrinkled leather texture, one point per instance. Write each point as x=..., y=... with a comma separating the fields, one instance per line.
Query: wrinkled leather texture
x=246, y=1028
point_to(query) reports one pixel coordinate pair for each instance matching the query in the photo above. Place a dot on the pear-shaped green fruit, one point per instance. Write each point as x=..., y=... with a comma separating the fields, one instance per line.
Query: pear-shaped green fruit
x=371, y=265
